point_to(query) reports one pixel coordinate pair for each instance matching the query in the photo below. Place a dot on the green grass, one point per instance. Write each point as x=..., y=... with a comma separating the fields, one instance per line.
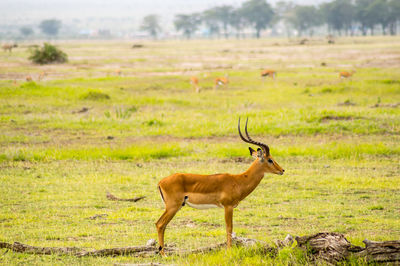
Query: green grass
x=341, y=161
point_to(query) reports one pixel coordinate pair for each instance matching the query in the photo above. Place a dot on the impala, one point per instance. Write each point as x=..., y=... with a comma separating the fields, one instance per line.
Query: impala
x=221, y=81
x=345, y=74
x=195, y=83
x=28, y=78
x=268, y=73
x=42, y=75
x=218, y=190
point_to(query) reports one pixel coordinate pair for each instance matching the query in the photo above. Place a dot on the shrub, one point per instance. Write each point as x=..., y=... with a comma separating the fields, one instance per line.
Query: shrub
x=95, y=95
x=47, y=54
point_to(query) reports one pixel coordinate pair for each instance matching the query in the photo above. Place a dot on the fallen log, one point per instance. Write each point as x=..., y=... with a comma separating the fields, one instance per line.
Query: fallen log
x=331, y=247
x=387, y=251
x=23, y=248
x=112, y=197
x=150, y=249
x=334, y=248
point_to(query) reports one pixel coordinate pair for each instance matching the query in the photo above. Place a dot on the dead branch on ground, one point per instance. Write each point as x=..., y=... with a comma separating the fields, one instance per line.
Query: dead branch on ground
x=112, y=197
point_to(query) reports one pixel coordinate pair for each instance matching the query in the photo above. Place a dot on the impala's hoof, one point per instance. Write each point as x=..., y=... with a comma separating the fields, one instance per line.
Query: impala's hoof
x=161, y=252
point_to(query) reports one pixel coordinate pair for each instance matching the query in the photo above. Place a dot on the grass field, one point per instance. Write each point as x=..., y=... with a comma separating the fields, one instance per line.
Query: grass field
x=340, y=151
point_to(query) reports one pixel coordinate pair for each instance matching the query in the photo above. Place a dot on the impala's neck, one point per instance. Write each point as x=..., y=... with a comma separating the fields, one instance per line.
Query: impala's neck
x=251, y=178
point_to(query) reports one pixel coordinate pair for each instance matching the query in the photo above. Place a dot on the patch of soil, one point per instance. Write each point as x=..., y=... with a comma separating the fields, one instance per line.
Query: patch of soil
x=328, y=118
x=394, y=105
x=347, y=103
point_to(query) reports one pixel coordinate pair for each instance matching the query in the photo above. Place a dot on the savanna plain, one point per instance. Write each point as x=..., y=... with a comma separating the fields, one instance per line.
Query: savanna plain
x=118, y=119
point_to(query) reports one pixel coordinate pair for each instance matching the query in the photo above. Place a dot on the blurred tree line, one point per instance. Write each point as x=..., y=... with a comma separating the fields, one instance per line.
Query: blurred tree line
x=346, y=17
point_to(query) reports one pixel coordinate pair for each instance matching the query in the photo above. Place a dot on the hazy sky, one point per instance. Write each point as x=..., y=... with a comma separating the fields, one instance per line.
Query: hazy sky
x=116, y=15
x=82, y=9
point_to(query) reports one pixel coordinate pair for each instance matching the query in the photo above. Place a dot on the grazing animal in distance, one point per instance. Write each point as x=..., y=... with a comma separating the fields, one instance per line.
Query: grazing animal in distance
x=346, y=74
x=9, y=47
x=28, y=78
x=218, y=190
x=221, y=81
x=42, y=75
x=118, y=72
x=195, y=83
x=268, y=73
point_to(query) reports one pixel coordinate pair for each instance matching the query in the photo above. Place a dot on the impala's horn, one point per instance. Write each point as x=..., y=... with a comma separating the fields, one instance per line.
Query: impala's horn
x=263, y=146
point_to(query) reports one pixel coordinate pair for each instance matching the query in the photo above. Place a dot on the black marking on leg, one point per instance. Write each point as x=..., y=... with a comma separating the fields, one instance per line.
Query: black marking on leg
x=184, y=200
x=159, y=248
x=162, y=196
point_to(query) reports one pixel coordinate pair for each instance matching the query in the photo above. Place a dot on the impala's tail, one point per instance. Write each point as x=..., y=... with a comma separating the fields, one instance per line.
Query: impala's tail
x=162, y=196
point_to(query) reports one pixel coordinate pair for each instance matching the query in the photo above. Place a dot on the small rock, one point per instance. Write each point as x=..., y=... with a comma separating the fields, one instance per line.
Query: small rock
x=151, y=243
x=83, y=110
x=98, y=216
x=110, y=137
x=287, y=242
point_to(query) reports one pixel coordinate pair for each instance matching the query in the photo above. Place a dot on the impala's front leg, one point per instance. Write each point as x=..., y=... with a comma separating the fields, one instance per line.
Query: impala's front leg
x=228, y=221
x=162, y=223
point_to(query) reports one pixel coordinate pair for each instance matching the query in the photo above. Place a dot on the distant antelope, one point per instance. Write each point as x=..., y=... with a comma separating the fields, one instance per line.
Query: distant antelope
x=221, y=81
x=345, y=74
x=268, y=73
x=9, y=47
x=118, y=72
x=195, y=83
x=42, y=75
x=28, y=78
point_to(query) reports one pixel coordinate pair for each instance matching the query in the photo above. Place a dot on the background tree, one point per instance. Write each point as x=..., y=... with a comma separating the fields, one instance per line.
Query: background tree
x=363, y=15
x=237, y=21
x=284, y=13
x=223, y=15
x=394, y=15
x=305, y=18
x=257, y=13
x=50, y=26
x=26, y=31
x=210, y=18
x=339, y=15
x=151, y=24
x=379, y=13
x=188, y=24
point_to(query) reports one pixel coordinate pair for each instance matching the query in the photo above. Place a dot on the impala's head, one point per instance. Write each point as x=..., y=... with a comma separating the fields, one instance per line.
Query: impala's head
x=262, y=154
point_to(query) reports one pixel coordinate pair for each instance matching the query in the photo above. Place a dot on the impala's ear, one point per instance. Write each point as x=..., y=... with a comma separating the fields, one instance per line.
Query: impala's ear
x=260, y=155
x=252, y=152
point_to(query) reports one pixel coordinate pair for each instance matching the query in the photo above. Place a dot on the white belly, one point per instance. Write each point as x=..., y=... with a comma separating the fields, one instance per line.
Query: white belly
x=201, y=206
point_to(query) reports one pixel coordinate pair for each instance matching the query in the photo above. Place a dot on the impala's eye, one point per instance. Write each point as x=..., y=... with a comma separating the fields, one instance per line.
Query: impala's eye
x=270, y=161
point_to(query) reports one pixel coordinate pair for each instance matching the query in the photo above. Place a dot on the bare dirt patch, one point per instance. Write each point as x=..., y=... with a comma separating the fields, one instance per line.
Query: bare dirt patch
x=328, y=118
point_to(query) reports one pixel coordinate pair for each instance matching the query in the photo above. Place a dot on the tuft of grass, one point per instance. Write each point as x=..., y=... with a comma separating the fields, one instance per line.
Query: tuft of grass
x=390, y=81
x=153, y=122
x=95, y=96
x=376, y=208
x=121, y=113
x=326, y=90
